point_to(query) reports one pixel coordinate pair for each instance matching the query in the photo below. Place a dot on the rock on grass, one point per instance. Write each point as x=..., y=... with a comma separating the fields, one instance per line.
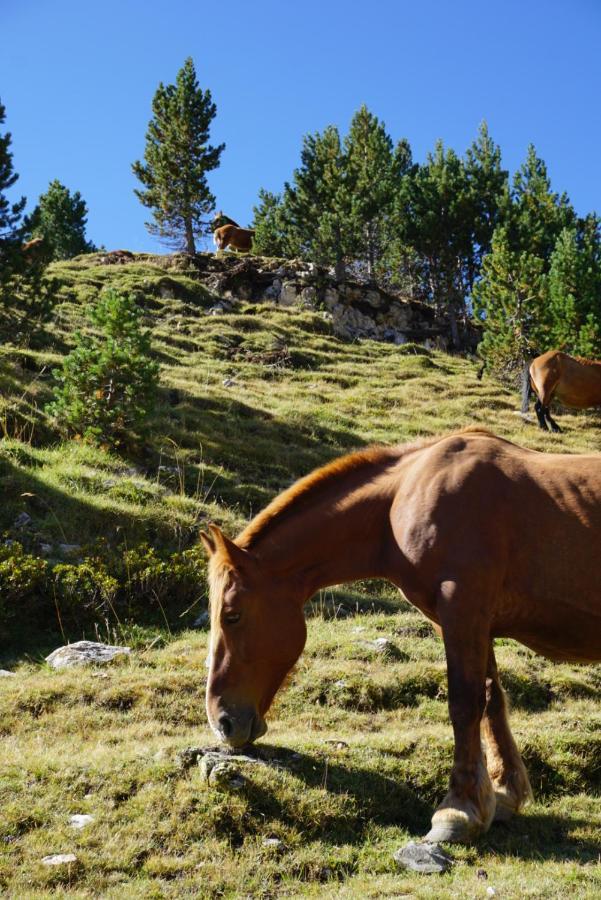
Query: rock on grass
x=83, y=653
x=425, y=858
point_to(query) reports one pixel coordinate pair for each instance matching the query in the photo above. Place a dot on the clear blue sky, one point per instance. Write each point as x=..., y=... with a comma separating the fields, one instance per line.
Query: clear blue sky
x=77, y=79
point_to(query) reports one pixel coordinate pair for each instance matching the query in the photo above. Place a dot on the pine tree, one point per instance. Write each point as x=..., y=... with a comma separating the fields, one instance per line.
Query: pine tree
x=318, y=203
x=371, y=172
x=272, y=236
x=510, y=301
x=574, y=291
x=107, y=386
x=177, y=159
x=537, y=214
x=488, y=184
x=435, y=218
x=10, y=213
x=60, y=218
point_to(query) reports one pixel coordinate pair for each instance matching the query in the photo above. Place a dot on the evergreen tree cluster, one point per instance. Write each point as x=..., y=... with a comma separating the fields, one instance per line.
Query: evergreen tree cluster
x=454, y=231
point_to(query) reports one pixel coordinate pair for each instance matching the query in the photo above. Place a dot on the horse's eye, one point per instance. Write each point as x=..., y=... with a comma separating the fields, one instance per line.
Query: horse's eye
x=231, y=618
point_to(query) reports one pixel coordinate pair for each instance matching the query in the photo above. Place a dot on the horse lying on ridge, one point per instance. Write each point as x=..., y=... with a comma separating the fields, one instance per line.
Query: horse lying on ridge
x=571, y=380
x=486, y=538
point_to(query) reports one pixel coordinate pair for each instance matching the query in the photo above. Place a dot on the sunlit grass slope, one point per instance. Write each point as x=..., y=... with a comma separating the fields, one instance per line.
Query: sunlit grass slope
x=359, y=747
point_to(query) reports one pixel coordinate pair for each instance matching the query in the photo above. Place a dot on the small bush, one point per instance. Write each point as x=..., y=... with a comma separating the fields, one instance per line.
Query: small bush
x=21, y=577
x=108, y=384
x=114, y=590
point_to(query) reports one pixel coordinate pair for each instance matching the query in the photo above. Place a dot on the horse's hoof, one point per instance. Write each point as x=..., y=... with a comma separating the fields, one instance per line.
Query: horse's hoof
x=455, y=828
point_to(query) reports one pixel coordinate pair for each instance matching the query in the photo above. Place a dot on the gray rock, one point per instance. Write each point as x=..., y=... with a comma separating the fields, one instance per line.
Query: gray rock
x=288, y=294
x=59, y=859
x=202, y=620
x=273, y=844
x=69, y=549
x=23, y=520
x=189, y=756
x=86, y=653
x=4, y=673
x=425, y=858
x=45, y=549
x=80, y=820
x=220, y=775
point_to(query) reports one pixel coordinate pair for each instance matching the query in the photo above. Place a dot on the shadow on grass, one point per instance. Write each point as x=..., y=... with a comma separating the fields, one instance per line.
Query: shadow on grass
x=376, y=798
x=265, y=452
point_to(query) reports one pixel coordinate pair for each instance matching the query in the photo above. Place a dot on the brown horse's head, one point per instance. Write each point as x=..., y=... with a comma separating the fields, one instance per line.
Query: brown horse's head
x=257, y=634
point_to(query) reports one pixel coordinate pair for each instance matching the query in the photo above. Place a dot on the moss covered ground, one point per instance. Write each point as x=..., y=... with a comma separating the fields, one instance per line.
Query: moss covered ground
x=359, y=747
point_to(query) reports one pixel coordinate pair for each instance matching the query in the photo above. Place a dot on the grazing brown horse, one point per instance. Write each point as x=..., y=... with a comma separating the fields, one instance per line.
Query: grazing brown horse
x=571, y=380
x=485, y=538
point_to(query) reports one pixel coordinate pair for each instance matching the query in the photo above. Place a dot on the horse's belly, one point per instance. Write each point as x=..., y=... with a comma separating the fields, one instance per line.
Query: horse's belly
x=559, y=631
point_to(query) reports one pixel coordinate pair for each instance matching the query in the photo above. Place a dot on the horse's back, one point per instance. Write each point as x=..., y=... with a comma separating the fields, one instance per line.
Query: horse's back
x=572, y=381
x=523, y=525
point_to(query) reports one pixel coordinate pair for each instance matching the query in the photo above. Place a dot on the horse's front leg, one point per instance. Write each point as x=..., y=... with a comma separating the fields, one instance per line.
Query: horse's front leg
x=469, y=807
x=503, y=761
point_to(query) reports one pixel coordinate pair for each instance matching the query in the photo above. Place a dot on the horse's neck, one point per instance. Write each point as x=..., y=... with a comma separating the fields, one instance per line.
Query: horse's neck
x=342, y=537
x=225, y=220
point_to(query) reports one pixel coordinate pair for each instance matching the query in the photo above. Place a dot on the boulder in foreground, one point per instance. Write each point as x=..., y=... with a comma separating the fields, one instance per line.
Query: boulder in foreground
x=426, y=858
x=83, y=653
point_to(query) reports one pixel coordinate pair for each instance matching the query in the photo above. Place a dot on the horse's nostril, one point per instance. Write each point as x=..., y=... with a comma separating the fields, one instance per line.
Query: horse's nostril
x=225, y=725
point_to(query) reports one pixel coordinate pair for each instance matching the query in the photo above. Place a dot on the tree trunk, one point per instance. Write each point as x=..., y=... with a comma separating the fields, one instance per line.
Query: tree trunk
x=454, y=327
x=190, y=245
x=525, y=385
x=340, y=270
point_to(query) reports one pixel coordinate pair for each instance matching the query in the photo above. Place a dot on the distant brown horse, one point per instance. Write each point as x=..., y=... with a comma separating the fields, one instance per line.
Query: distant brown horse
x=227, y=233
x=35, y=250
x=485, y=538
x=233, y=236
x=571, y=380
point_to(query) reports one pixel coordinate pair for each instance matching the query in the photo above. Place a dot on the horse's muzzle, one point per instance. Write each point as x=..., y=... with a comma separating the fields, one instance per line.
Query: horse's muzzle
x=238, y=728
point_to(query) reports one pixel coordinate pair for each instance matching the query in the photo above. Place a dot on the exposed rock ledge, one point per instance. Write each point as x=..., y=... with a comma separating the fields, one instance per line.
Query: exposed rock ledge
x=358, y=310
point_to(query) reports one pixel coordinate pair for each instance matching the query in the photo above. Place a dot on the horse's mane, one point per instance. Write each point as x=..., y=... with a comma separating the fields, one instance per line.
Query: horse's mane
x=587, y=362
x=312, y=485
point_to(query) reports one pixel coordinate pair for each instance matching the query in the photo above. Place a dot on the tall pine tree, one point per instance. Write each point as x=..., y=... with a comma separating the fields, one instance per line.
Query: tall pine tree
x=177, y=159
x=372, y=169
x=60, y=218
x=574, y=290
x=510, y=299
x=10, y=213
x=537, y=214
x=318, y=203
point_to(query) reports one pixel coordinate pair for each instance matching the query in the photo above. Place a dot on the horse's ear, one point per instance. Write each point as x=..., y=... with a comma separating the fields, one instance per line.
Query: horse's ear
x=207, y=542
x=238, y=557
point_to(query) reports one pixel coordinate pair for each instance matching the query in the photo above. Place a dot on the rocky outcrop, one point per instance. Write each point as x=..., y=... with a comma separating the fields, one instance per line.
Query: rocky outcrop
x=357, y=310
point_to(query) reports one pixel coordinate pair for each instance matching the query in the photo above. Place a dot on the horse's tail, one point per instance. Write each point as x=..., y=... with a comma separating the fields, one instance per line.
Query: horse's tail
x=528, y=386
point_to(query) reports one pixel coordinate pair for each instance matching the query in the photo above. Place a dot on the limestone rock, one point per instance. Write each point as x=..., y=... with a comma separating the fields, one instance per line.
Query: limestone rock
x=86, y=653
x=59, y=859
x=80, y=820
x=4, y=673
x=288, y=294
x=425, y=858
x=220, y=775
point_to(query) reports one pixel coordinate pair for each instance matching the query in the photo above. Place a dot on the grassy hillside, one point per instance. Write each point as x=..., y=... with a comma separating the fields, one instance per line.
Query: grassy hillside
x=359, y=747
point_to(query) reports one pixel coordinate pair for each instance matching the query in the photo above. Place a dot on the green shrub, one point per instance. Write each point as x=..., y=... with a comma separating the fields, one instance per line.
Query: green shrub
x=172, y=584
x=84, y=591
x=107, y=386
x=21, y=578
